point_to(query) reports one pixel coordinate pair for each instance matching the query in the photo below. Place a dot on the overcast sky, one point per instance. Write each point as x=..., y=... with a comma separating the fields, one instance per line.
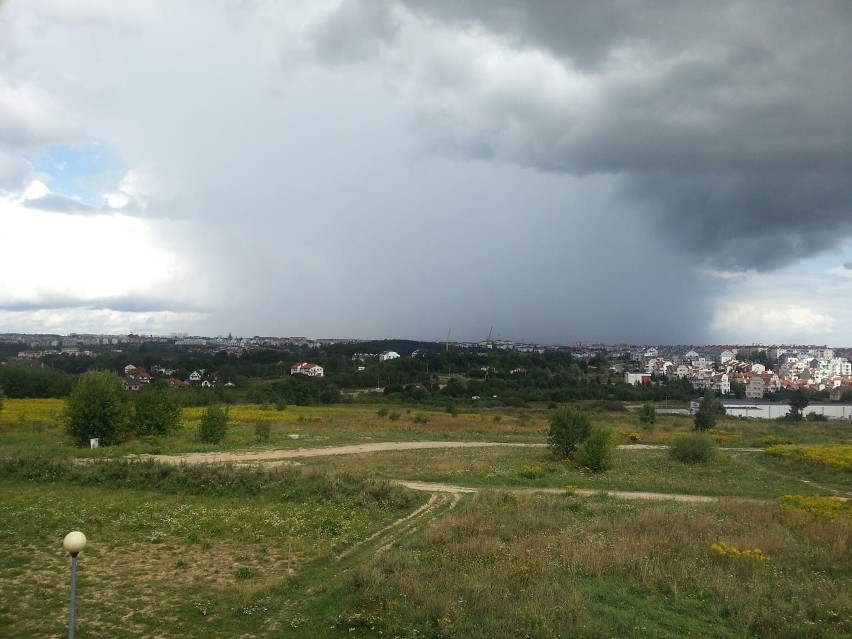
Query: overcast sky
x=645, y=172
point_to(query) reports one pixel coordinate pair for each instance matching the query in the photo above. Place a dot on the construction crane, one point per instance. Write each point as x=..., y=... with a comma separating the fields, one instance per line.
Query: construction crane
x=488, y=341
x=448, y=338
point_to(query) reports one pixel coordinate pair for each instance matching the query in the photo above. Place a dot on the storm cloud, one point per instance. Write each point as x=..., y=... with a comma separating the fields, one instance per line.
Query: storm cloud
x=726, y=122
x=652, y=172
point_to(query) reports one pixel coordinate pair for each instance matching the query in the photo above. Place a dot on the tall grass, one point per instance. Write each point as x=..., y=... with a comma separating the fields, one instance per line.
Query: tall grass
x=545, y=566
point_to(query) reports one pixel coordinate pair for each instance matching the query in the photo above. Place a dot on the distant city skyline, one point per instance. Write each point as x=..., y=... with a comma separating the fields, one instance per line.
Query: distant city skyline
x=355, y=339
x=652, y=173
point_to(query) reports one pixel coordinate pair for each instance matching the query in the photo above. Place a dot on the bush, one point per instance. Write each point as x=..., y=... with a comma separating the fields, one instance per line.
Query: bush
x=213, y=426
x=394, y=415
x=98, y=407
x=709, y=410
x=568, y=428
x=597, y=452
x=693, y=448
x=420, y=418
x=647, y=415
x=262, y=432
x=155, y=412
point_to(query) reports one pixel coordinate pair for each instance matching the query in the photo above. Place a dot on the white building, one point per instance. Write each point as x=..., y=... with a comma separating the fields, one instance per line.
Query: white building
x=306, y=368
x=386, y=355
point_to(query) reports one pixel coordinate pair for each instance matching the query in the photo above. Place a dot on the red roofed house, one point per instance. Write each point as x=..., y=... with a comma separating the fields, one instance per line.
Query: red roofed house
x=173, y=382
x=306, y=368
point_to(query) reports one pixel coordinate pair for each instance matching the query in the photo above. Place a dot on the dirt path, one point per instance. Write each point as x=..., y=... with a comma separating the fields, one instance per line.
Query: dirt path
x=619, y=494
x=440, y=503
x=352, y=449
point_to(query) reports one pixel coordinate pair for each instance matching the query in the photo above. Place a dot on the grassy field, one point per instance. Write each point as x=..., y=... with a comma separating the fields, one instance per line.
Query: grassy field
x=323, y=547
x=746, y=474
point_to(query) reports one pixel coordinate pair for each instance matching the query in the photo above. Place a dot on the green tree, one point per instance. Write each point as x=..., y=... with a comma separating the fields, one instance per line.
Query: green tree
x=569, y=427
x=98, y=407
x=799, y=400
x=1, y=399
x=738, y=389
x=710, y=409
x=597, y=452
x=213, y=426
x=647, y=415
x=156, y=411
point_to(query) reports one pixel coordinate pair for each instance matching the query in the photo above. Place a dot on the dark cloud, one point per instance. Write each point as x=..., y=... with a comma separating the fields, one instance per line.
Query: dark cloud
x=356, y=30
x=727, y=122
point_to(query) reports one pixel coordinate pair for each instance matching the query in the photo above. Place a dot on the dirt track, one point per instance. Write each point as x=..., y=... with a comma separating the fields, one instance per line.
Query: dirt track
x=352, y=449
x=620, y=494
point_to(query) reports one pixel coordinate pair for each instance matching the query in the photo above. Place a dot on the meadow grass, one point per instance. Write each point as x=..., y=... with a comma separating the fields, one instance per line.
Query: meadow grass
x=292, y=427
x=37, y=425
x=750, y=475
x=558, y=566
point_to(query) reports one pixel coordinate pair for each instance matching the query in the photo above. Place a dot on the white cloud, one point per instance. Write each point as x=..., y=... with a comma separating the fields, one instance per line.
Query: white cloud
x=31, y=118
x=137, y=188
x=789, y=306
x=62, y=321
x=101, y=259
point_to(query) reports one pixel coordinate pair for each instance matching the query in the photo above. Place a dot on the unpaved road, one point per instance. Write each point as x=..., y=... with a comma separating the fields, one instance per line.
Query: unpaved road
x=352, y=449
x=355, y=449
x=620, y=494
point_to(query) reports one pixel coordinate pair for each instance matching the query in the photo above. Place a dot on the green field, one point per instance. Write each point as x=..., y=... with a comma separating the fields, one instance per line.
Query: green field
x=330, y=547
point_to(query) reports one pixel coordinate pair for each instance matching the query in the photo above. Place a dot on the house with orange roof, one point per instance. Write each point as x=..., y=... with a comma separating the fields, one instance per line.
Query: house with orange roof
x=306, y=368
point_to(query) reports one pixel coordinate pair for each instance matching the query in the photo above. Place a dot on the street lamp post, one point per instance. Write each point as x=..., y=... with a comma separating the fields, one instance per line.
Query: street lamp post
x=73, y=543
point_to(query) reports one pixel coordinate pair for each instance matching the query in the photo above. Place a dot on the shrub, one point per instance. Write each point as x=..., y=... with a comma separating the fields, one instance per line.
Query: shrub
x=213, y=426
x=262, y=432
x=568, y=428
x=420, y=418
x=597, y=452
x=709, y=410
x=693, y=448
x=647, y=415
x=98, y=407
x=394, y=415
x=382, y=412
x=155, y=412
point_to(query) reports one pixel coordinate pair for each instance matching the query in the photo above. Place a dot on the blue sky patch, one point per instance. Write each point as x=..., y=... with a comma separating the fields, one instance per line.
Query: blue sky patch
x=83, y=172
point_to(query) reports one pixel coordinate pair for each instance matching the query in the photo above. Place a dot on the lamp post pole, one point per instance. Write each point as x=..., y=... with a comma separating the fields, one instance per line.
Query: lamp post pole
x=73, y=543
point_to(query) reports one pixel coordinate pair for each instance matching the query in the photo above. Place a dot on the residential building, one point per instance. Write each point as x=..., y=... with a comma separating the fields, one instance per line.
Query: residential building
x=306, y=368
